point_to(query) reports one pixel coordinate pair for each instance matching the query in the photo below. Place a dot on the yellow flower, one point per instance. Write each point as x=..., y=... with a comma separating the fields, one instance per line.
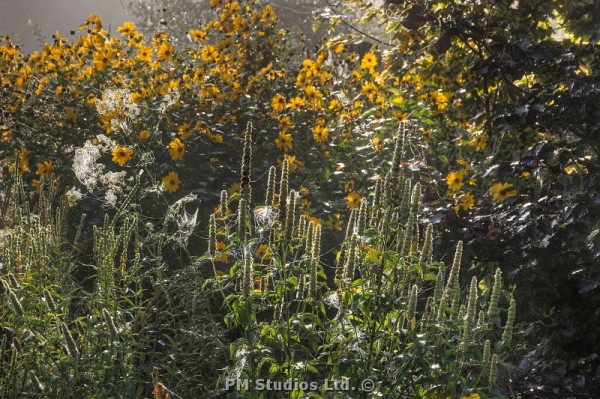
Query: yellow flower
x=369, y=61
x=262, y=252
x=353, y=200
x=278, y=103
x=209, y=53
x=334, y=222
x=320, y=132
x=526, y=175
x=284, y=141
x=479, y=141
x=165, y=51
x=473, y=395
x=197, y=35
x=369, y=89
x=234, y=188
x=221, y=256
x=121, y=155
x=466, y=202
x=454, y=180
x=502, y=191
x=145, y=53
x=184, y=131
x=143, y=135
x=296, y=103
x=44, y=169
x=171, y=182
x=102, y=60
x=127, y=29
x=176, y=149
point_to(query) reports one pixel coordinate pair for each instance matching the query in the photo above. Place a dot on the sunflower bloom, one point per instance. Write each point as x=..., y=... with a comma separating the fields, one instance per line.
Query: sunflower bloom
x=121, y=155
x=320, y=133
x=278, y=103
x=466, y=202
x=176, y=149
x=353, y=200
x=171, y=182
x=165, y=52
x=454, y=180
x=284, y=141
x=44, y=169
x=502, y=191
x=369, y=62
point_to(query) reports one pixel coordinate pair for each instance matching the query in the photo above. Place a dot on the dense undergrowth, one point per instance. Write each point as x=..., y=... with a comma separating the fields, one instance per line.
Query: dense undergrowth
x=135, y=261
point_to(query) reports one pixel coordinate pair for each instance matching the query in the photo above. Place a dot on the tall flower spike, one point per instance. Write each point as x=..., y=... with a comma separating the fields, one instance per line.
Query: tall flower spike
x=301, y=287
x=247, y=276
x=408, y=235
x=212, y=236
x=242, y=221
x=378, y=192
x=362, y=218
x=290, y=215
x=412, y=305
x=350, y=259
x=439, y=286
x=453, y=287
x=271, y=186
x=247, y=165
x=110, y=324
x=393, y=179
x=493, y=373
x=71, y=346
x=316, y=244
x=310, y=230
x=283, y=190
x=470, y=317
x=300, y=228
x=406, y=202
x=351, y=224
x=427, y=251
x=223, y=206
x=508, y=328
x=486, y=358
x=493, y=308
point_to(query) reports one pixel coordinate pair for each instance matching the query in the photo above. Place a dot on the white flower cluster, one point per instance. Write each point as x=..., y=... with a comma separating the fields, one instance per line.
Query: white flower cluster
x=119, y=106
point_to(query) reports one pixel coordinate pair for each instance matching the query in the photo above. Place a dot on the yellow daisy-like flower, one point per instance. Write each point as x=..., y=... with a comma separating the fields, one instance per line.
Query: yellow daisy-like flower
x=121, y=155
x=296, y=103
x=143, y=135
x=262, y=252
x=284, y=141
x=278, y=103
x=165, y=52
x=176, y=149
x=197, y=35
x=466, y=202
x=145, y=53
x=209, y=53
x=353, y=200
x=454, y=180
x=369, y=61
x=479, y=142
x=369, y=89
x=502, y=191
x=184, y=131
x=171, y=182
x=127, y=29
x=320, y=132
x=222, y=255
x=44, y=169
